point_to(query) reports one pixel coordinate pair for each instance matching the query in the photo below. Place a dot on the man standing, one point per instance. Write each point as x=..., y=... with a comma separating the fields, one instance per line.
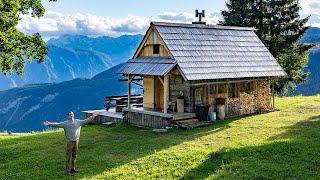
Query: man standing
x=72, y=129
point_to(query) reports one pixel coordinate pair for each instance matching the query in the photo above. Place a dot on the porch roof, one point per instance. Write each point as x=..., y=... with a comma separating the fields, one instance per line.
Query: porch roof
x=155, y=66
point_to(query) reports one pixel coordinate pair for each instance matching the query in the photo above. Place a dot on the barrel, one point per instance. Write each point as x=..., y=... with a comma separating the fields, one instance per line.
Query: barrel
x=202, y=112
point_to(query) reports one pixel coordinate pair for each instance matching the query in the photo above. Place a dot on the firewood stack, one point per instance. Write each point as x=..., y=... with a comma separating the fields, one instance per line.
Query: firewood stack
x=263, y=101
x=233, y=106
x=247, y=103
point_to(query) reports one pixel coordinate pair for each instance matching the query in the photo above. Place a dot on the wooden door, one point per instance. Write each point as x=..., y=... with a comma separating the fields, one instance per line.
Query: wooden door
x=148, y=92
x=159, y=97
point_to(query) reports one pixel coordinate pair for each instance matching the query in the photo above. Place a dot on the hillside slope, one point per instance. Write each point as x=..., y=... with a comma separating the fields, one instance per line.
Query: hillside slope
x=312, y=85
x=279, y=145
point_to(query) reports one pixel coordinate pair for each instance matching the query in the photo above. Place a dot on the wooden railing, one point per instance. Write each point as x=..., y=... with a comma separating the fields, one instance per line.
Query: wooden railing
x=120, y=102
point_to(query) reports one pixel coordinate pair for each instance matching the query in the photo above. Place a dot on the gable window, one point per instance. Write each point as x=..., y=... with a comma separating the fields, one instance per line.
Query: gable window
x=156, y=48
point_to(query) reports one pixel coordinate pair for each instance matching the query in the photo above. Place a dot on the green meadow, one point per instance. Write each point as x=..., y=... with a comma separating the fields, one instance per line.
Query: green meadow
x=284, y=144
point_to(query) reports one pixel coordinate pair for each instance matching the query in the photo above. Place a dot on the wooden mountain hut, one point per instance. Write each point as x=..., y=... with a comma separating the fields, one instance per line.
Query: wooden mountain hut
x=200, y=64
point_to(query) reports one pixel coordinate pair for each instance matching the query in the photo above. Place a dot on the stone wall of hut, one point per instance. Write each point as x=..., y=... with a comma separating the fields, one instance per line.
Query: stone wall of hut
x=177, y=85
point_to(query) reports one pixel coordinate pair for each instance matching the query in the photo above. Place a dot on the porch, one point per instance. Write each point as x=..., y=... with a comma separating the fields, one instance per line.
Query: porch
x=105, y=117
x=144, y=117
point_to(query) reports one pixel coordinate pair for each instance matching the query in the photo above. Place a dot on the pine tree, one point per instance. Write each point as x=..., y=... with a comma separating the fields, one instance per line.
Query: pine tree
x=279, y=27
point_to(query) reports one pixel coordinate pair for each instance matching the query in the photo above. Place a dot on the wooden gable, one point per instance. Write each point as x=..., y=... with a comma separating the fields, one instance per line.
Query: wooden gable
x=146, y=48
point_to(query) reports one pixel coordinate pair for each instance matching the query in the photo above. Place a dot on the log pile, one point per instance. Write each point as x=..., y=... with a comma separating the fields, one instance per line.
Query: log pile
x=247, y=103
x=263, y=101
x=256, y=100
x=233, y=107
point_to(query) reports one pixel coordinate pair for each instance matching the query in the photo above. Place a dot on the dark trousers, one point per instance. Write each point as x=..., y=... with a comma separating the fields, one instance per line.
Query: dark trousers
x=71, y=155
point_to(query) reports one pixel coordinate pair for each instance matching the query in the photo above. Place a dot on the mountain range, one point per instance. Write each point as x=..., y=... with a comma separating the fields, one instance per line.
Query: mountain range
x=23, y=109
x=75, y=56
x=312, y=85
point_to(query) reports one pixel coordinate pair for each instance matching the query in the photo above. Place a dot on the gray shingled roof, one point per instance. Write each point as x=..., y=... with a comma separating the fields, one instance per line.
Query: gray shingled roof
x=209, y=52
x=155, y=66
x=218, y=52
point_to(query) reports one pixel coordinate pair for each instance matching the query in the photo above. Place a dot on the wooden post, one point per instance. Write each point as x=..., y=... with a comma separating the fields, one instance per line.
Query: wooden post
x=273, y=95
x=166, y=93
x=130, y=78
x=227, y=105
x=257, y=98
x=208, y=89
x=217, y=90
x=129, y=91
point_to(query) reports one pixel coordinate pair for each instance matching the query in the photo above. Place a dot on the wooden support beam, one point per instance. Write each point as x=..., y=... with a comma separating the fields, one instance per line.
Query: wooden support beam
x=273, y=95
x=217, y=90
x=209, y=87
x=227, y=105
x=229, y=81
x=256, y=94
x=139, y=79
x=137, y=84
x=270, y=94
x=161, y=80
x=130, y=78
x=166, y=93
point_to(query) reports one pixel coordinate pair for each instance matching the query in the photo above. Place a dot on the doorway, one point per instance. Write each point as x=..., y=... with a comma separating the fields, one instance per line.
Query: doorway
x=159, y=96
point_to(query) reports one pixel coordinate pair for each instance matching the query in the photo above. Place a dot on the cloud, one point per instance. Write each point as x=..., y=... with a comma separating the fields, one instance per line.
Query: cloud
x=311, y=7
x=54, y=24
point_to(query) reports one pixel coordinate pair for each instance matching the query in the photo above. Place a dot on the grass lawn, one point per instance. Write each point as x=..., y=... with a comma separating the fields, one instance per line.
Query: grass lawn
x=280, y=145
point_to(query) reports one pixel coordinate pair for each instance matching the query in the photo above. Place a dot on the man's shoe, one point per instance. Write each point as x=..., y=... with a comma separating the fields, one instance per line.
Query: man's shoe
x=74, y=171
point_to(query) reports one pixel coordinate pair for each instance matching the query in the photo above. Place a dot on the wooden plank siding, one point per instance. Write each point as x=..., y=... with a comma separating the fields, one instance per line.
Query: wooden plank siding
x=146, y=119
x=147, y=49
x=148, y=92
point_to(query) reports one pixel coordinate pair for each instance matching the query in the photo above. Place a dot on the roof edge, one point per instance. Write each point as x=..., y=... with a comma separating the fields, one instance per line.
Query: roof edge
x=207, y=26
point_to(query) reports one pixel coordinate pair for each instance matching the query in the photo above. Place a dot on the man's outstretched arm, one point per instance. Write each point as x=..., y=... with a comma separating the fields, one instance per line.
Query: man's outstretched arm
x=54, y=124
x=90, y=119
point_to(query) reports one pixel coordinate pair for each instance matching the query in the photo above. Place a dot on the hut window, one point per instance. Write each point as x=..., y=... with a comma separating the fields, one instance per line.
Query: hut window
x=156, y=48
x=233, y=91
x=198, y=96
x=221, y=88
x=246, y=87
x=213, y=89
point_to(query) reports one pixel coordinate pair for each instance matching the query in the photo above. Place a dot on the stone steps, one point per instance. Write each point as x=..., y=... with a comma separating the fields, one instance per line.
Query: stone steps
x=190, y=123
x=183, y=116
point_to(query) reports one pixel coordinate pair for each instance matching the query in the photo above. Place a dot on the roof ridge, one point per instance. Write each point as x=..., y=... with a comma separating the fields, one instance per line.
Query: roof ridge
x=207, y=26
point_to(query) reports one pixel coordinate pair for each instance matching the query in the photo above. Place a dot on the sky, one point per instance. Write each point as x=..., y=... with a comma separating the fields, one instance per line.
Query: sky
x=115, y=18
